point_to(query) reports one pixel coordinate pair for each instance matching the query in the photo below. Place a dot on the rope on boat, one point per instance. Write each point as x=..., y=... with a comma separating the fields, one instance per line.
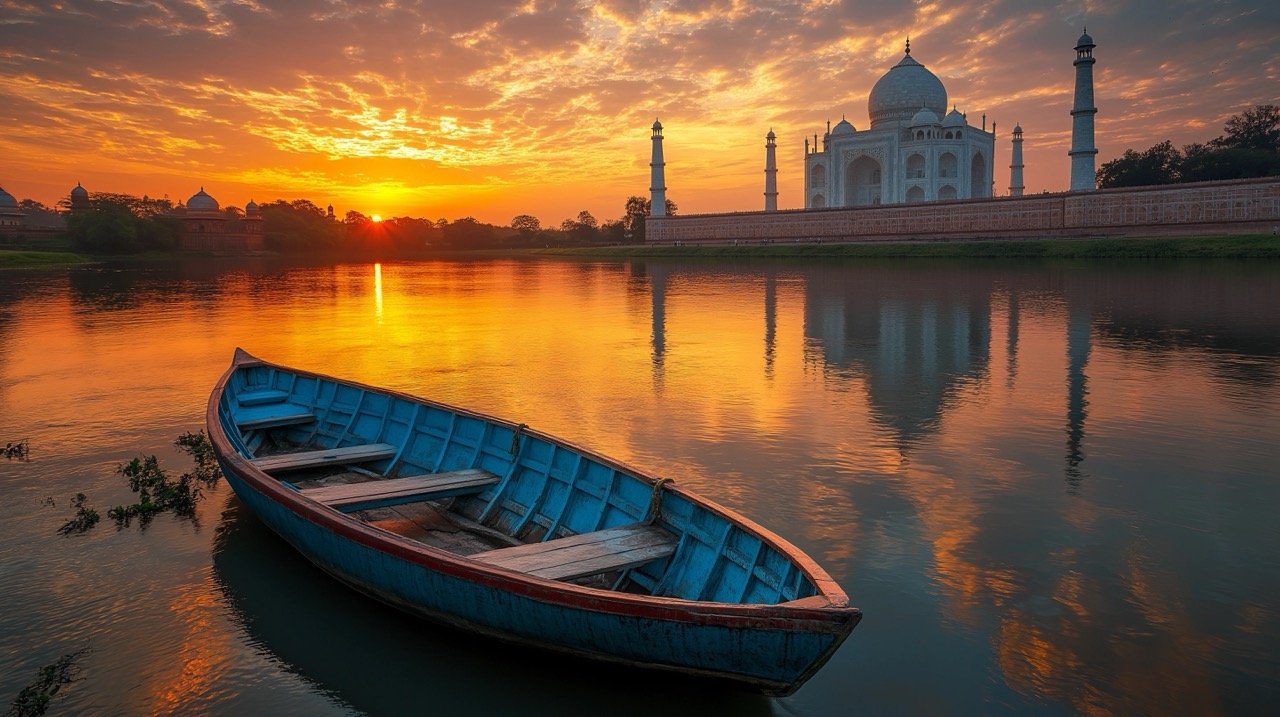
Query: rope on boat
x=655, y=501
x=515, y=437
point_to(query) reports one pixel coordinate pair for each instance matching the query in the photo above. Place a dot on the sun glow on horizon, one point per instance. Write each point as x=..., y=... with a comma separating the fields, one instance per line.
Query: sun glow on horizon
x=376, y=218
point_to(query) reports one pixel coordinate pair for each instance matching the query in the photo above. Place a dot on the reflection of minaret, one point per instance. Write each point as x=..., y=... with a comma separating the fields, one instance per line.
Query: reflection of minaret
x=770, y=322
x=1079, y=344
x=658, y=288
x=1011, y=348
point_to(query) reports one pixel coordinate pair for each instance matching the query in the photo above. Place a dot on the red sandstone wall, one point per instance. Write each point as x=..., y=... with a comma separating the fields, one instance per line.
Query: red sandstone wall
x=1233, y=207
x=222, y=243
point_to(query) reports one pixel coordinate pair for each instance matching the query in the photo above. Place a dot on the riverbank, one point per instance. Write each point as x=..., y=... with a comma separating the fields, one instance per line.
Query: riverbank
x=1255, y=246
x=24, y=259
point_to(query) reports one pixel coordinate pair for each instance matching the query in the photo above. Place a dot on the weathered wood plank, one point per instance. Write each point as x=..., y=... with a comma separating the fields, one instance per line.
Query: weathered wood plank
x=273, y=416
x=397, y=491
x=586, y=553
x=331, y=456
x=259, y=397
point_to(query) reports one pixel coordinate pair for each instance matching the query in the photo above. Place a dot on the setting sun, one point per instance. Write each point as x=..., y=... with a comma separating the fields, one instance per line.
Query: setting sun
x=376, y=217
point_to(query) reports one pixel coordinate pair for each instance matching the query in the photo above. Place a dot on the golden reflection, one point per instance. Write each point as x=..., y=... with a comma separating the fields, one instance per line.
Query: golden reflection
x=795, y=396
x=204, y=653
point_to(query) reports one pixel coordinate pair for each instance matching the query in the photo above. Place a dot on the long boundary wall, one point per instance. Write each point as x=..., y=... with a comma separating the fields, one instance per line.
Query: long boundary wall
x=1241, y=206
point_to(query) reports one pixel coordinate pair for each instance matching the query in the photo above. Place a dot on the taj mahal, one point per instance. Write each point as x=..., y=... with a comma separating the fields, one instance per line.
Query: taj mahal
x=914, y=150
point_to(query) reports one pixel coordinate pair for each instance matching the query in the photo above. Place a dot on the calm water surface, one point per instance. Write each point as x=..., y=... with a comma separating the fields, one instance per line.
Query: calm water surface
x=1052, y=488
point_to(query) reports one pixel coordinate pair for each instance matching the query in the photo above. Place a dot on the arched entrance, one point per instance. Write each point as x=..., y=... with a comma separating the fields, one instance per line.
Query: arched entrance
x=978, y=184
x=915, y=194
x=862, y=182
x=947, y=166
x=946, y=192
x=818, y=177
x=819, y=201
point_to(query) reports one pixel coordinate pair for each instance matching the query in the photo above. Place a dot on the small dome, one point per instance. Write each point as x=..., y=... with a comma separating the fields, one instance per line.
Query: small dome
x=7, y=201
x=79, y=192
x=924, y=117
x=902, y=91
x=251, y=207
x=201, y=202
x=771, y=135
x=1085, y=41
x=954, y=118
x=843, y=127
x=1017, y=129
x=657, y=124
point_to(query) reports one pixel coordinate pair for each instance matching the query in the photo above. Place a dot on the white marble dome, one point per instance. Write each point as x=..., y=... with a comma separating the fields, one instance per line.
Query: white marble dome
x=954, y=119
x=844, y=126
x=924, y=118
x=202, y=202
x=7, y=200
x=79, y=192
x=903, y=90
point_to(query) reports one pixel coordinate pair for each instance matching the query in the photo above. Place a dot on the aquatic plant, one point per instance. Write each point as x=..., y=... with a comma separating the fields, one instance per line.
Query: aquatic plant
x=85, y=517
x=34, y=699
x=158, y=491
x=17, y=451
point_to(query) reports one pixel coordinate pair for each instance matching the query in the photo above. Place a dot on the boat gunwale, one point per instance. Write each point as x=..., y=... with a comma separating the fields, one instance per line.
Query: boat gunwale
x=827, y=611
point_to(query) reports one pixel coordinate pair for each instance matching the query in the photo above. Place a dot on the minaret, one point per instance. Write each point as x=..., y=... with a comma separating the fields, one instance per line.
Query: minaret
x=770, y=173
x=657, y=176
x=1083, y=175
x=1015, y=169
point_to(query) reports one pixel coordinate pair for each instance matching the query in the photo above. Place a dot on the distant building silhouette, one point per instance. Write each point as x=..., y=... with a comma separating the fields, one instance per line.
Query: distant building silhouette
x=206, y=227
x=12, y=220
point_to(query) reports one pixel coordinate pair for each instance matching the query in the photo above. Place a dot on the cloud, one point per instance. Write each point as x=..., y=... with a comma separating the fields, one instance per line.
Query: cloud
x=541, y=106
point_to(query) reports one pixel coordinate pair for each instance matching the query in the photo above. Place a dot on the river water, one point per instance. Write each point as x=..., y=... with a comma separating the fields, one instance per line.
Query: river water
x=1052, y=488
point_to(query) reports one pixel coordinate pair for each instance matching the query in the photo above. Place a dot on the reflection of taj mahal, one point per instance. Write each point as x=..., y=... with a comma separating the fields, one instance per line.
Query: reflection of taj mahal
x=914, y=151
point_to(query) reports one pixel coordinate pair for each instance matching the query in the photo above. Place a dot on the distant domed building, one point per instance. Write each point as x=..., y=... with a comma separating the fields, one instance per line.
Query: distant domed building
x=12, y=219
x=207, y=227
x=79, y=198
x=913, y=151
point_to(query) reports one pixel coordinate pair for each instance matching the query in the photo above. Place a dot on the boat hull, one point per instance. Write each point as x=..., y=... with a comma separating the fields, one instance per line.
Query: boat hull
x=769, y=648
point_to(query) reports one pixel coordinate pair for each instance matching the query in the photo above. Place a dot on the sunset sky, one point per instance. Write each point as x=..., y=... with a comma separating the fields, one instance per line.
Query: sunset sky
x=492, y=108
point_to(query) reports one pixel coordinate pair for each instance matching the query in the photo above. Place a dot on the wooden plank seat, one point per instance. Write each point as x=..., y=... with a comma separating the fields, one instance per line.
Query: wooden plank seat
x=261, y=396
x=328, y=456
x=351, y=497
x=586, y=554
x=273, y=415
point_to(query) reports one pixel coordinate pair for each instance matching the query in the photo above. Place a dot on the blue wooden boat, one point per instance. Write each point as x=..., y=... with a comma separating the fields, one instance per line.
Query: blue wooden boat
x=494, y=527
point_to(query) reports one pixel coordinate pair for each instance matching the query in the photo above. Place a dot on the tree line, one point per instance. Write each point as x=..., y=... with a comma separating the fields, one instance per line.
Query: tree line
x=1248, y=147
x=114, y=223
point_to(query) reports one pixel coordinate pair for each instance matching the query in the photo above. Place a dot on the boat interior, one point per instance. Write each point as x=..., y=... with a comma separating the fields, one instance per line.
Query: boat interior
x=494, y=492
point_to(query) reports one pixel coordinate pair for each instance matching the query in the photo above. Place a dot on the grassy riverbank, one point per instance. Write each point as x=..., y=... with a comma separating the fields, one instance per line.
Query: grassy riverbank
x=1255, y=246
x=28, y=259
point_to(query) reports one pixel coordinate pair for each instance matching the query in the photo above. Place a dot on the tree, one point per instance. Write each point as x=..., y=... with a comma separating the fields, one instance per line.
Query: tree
x=299, y=226
x=636, y=212
x=526, y=224
x=1203, y=163
x=354, y=218
x=106, y=227
x=1157, y=165
x=586, y=220
x=1255, y=129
